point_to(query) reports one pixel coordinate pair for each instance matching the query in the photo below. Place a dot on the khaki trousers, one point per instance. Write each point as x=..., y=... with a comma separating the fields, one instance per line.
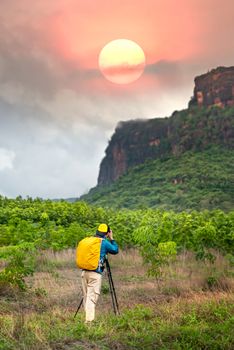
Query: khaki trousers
x=91, y=285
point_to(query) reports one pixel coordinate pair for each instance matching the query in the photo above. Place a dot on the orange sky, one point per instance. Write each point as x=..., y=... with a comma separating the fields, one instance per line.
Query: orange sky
x=69, y=34
x=167, y=30
x=80, y=30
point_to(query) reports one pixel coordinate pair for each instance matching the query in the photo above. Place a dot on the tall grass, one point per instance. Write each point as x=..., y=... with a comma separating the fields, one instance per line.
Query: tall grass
x=190, y=307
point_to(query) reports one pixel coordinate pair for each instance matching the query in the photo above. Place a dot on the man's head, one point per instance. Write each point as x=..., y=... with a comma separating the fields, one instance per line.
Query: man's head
x=103, y=229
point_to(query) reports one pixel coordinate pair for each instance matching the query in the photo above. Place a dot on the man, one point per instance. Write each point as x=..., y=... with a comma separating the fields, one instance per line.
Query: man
x=91, y=280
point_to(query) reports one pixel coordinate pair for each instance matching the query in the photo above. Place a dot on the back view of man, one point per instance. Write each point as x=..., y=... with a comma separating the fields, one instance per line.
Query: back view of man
x=92, y=278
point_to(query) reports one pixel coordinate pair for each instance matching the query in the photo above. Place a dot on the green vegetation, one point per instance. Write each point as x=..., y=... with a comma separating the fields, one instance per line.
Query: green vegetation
x=27, y=226
x=19, y=263
x=193, y=180
x=184, y=253
x=60, y=225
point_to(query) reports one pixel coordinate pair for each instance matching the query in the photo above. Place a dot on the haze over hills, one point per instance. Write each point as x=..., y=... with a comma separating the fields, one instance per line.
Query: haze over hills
x=184, y=161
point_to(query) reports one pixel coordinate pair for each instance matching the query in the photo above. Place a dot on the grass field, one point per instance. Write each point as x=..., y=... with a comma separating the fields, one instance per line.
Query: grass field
x=190, y=307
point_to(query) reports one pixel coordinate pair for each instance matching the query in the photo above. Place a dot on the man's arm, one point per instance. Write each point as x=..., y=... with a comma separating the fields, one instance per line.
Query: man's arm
x=112, y=246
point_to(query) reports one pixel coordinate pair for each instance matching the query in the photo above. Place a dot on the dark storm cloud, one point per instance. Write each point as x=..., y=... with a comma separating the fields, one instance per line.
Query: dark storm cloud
x=175, y=73
x=163, y=67
x=26, y=61
x=166, y=72
x=31, y=73
x=22, y=63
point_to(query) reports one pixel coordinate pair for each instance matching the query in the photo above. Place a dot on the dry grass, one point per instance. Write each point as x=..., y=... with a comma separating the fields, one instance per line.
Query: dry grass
x=57, y=283
x=56, y=291
x=185, y=278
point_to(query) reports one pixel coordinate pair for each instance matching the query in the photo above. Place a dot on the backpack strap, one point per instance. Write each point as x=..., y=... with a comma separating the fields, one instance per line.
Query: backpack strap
x=101, y=260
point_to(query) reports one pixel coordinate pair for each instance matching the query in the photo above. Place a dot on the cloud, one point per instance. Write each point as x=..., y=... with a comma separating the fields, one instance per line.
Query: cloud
x=25, y=65
x=6, y=159
x=123, y=68
x=55, y=158
x=60, y=142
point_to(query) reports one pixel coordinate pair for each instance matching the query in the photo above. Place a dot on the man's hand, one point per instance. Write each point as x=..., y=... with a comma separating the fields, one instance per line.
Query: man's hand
x=110, y=235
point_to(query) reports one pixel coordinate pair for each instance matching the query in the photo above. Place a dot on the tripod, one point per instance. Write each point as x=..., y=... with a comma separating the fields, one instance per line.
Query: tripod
x=115, y=303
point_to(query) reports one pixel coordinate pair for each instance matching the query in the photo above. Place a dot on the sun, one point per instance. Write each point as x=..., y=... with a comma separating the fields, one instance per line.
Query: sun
x=122, y=61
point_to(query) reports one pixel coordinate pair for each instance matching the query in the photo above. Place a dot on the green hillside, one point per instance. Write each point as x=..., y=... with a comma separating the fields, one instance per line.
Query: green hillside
x=193, y=180
x=136, y=141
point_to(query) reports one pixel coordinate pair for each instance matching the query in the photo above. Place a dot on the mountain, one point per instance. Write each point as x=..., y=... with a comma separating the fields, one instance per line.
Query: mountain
x=141, y=152
x=137, y=140
x=193, y=180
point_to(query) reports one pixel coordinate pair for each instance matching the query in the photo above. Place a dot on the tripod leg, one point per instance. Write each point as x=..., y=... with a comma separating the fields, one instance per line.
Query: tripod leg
x=111, y=291
x=79, y=306
x=114, y=294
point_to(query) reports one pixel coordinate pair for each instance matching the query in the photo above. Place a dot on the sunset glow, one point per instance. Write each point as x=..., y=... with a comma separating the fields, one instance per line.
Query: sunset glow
x=122, y=61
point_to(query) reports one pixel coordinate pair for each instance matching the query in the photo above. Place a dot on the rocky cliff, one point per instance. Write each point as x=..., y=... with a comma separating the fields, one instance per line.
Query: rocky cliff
x=132, y=143
x=136, y=141
x=215, y=88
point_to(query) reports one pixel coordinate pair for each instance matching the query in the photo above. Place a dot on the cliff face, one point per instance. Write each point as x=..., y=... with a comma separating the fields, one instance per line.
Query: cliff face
x=132, y=143
x=215, y=88
x=194, y=129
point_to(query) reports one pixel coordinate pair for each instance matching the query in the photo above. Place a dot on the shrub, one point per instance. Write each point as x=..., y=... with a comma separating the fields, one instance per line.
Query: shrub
x=19, y=263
